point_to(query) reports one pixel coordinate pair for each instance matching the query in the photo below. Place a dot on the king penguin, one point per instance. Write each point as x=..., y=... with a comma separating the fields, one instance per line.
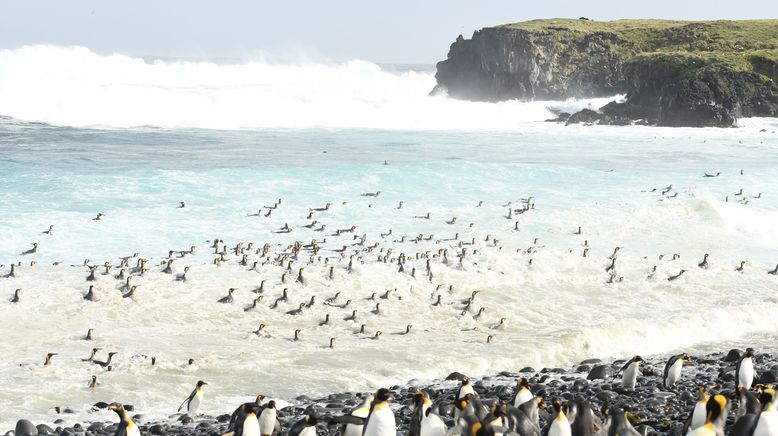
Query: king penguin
x=559, y=425
x=354, y=422
x=305, y=426
x=699, y=412
x=714, y=411
x=464, y=389
x=523, y=394
x=250, y=424
x=767, y=423
x=673, y=369
x=268, y=419
x=126, y=427
x=744, y=371
x=380, y=420
x=631, y=370
x=194, y=399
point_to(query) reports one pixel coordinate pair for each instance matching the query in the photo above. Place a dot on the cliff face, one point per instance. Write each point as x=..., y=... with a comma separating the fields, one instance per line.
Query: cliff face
x=500, y=64
x=673, y=73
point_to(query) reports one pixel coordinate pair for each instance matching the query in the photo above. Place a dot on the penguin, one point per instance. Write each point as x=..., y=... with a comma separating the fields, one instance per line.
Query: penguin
x=699, y=412
x=90, y=294
x=194, y=399
x=744, y=371
x=673, y=369
x=559, y=425
x=523, y=394
x=767, y=422
x=354, y=422
x=715, y=410
x=240, y=414
x=268, y=419
x=228, y=298
x=620, y=425
x=304, y=427
x=631, y=370
x=419, y=405
x=581, y=415
x=748, y=403
x=465, y=388
x=15, y=298
x=380, y=420
x=250, y=424
x=126, y=427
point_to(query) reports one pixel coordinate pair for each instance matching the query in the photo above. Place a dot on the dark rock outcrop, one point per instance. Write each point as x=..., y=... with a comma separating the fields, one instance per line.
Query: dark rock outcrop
x=698, y=74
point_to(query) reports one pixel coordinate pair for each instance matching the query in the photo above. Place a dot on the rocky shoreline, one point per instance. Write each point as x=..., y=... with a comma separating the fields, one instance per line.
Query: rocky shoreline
x=651, y=408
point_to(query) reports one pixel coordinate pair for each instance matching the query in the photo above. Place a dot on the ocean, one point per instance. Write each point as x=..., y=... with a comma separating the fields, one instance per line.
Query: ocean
x=130, y=138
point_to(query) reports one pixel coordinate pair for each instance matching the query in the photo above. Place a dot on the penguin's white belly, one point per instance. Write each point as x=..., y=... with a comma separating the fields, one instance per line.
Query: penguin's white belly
x=674, y=373
x=560, y=427
x=381, y=423
x=267, y=422
x=309, y=431
x=432, y=425
x=698, y=415
x=630, y=376
x=194, y=404
x=767, y=424
x=464, y=390
x=522, y=397
x=133, y=430
x=251, y=425
x=746, y=375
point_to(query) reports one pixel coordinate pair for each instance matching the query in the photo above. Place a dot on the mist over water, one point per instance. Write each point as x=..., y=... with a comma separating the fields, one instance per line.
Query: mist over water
x=230, y=139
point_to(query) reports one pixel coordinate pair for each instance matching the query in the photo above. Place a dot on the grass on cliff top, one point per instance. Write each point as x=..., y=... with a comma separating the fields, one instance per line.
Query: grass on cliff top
x=641, y=36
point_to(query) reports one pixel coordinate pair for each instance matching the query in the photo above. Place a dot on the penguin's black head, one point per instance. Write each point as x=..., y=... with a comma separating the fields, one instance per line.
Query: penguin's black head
x=766, y=396
x=637, y=359
x=312, y=419
x=557, y=406
x=383, y=395
x=523, y=383
x=749, y=352
x=715, y=407
x=259, y=399
x=201, y=383
x=117, y=407
x=271, y=404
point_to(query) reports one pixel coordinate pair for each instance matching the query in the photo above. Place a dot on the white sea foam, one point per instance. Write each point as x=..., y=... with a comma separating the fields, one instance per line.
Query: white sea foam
x=74, y=86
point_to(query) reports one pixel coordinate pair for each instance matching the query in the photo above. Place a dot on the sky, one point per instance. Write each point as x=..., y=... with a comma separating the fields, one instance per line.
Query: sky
x=396, y=31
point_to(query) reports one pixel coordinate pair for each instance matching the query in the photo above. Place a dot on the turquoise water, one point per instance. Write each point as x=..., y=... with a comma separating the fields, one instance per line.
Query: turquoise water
x=232, y=139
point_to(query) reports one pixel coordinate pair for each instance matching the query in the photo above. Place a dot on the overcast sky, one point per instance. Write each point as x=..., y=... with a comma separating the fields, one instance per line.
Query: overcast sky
x=396, y=31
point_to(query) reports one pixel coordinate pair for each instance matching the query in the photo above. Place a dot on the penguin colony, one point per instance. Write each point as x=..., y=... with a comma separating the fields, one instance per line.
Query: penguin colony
x=332, y=254
x=525, y=409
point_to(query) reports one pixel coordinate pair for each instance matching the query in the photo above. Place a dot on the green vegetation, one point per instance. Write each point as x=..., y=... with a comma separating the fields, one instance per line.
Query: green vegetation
x=717, y=45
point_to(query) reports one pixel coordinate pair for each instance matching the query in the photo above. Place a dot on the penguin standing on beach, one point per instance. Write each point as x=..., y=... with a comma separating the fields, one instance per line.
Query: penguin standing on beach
x=767, y=422
x=125, y=427
x=250, y=424
x=464, y=389
x=380, y=420
x=631, y=370
x=699, y=412
x=559, y=425
x=194, y=399
x=673, y=369
x=268, y=420
x=305, y=426
x=523, y=394
x=354, y=422
x=744, y=371
x=715, y=416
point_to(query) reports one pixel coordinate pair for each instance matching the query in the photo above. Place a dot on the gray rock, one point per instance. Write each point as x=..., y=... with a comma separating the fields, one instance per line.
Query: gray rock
x=44, y=429
x=25, y=428
x=600, y=372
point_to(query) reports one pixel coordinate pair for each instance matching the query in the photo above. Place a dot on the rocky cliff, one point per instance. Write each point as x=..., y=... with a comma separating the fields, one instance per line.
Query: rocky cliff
x=674, y=73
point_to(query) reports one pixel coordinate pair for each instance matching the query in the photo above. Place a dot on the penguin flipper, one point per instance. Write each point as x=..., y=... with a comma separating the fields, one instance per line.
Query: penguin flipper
x=348, y=419
x=188, y=399
x=415, y=427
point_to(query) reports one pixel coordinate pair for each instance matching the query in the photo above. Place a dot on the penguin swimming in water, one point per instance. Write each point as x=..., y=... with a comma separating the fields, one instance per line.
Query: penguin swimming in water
x=673, y=369
x=744, y=371
x=631, y=370
x=380, y=420
x=126, y=427
x=194, y=399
